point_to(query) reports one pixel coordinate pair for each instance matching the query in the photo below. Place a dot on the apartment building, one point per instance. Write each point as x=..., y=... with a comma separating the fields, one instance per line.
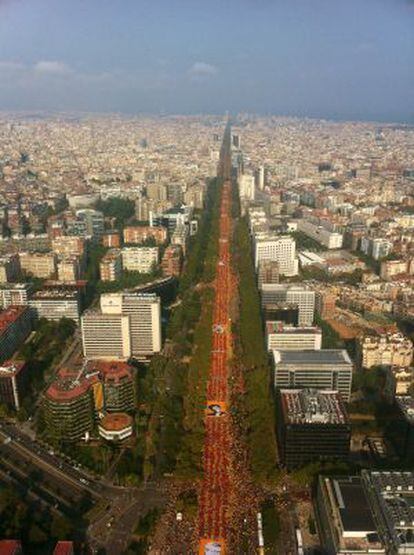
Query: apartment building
x=110, y=267
x=69, y=269
x=139, y=234
x=111, y=239
x=16, y=294
x=68, y=245
x=117, y=381
x=88, y=223
x=391, y=268
x=68, y=407
x=376, y=247
x=41, y=265
x=172, y=261
x=246, y=187
x=388, y=349
x=325, y=303
x=139, y=259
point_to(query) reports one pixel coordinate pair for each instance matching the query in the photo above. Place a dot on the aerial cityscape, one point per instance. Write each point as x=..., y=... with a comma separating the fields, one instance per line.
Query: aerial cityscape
x=207, y=304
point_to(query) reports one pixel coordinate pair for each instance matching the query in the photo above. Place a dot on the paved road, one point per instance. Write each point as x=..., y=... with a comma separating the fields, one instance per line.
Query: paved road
x=114, y=529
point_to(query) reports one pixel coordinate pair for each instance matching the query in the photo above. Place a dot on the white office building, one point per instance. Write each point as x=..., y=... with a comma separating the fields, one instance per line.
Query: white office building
x=291, y=294
x=290, y=338
x=320, y=233
x=144, y=312
x=246, y=187
x=105, y=336
x=55, y=304
x=320, y=369
x=280, y=248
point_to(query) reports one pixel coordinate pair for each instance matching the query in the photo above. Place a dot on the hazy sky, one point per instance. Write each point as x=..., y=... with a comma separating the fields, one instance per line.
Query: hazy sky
x=324, y=58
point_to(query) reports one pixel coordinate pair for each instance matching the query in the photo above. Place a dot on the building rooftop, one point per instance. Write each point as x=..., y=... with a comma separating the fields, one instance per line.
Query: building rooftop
x=70, y=384
x=355, y=513
x=15, y=286
x=308, y=406
x=406, y=404
x=63, y=548
x=116, y=421
x=10, y=547
x=11, y=368
x=352, y=515
x=393, y=497
x=113, y=370
x=67, y=387
x=56, y=294
x=281, y=327
x=324, y=356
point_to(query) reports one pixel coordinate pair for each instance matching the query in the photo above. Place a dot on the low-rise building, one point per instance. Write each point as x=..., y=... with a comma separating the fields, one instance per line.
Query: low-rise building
x=387, y=349
x=116, y=427
x=280, y=336
x=346, y=521
x=371, y=513
x=11, y=547
x=64, y=548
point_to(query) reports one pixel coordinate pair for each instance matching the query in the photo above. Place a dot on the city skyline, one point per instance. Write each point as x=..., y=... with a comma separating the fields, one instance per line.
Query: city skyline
x=330, y=60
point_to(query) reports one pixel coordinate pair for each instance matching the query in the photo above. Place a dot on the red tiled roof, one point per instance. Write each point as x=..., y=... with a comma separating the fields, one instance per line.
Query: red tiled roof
x=10, y=315
x=63, y=548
